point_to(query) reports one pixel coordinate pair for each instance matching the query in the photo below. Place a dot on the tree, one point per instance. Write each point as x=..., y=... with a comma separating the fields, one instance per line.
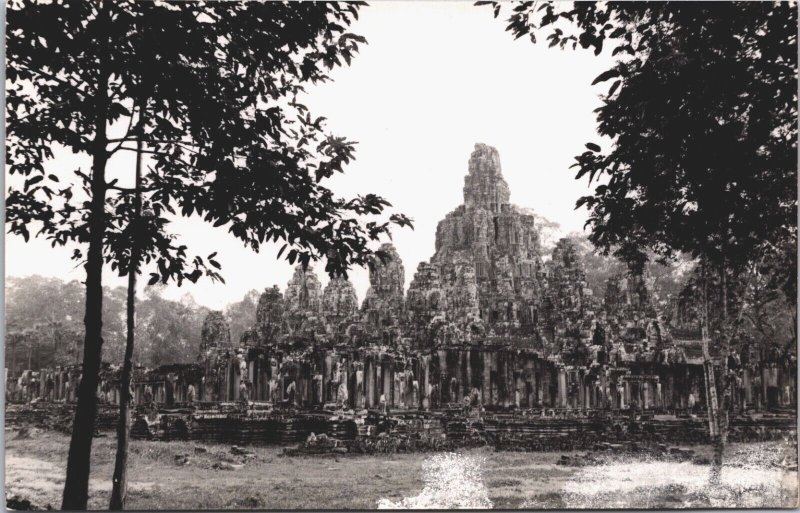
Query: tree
x=119, y=488
x=228, y=139
x=665, y=279
x=242, y=315
x=167, y=331
x=701, y=117
x=49, y=310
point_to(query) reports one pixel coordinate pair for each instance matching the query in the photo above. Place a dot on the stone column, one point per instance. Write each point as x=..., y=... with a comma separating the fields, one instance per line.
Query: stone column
x=493, y=391
x=562, y=388
x=378, y=379
x=263, y=378
x=425, y=383
x=359, y=391
x=626, y=388
x=486, y=387
x=388, y=381
x=251, y=369
x=748, y=390
x=604, y=402
x=233, y=365
x=659, y=401
x=466, y=378
x=539, y=386
x=327, y=377
x=444, y=378
x=369, y=383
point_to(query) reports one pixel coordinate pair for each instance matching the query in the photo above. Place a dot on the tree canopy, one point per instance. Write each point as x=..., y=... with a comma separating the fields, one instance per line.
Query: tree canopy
x=213, y=91
x=701, y=117
x=226, y=132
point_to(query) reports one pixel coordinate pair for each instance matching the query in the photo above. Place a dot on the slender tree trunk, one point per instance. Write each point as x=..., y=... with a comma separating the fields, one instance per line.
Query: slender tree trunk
x=722, y=414
x=119, y=488
x=720, y=438
x=711, y=388
x=76, y=485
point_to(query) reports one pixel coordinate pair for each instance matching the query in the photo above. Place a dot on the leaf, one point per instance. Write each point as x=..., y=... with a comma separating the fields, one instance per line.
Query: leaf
x=593, y=147
x=283, y=248
x=194, y=275
x=116, y=110
x=602, y=77
x=32, y=181
x=617, y=32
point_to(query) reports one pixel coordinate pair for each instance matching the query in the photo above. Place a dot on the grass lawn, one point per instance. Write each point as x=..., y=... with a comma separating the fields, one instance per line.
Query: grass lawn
x=158, y=478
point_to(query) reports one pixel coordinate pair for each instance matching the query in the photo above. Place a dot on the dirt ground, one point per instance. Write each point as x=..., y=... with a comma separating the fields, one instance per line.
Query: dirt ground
x=188, y=475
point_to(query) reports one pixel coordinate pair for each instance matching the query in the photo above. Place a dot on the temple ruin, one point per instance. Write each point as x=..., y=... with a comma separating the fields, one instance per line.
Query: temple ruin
x=488, y=323
x=485, y=318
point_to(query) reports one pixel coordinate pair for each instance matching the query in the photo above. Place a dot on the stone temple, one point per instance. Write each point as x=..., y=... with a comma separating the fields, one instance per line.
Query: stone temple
x=486, y=319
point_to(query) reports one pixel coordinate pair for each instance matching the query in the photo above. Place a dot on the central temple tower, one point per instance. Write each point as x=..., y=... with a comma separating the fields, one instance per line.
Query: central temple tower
x=483, y=279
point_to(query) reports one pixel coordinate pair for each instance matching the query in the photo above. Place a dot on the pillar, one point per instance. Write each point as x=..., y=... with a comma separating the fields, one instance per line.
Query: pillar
x=378, y=380
x=748, y=393
x=493, y=391
x=368, y=382
x=486, y=386
x=659, y=401
x=425, y=384
x=359, y=391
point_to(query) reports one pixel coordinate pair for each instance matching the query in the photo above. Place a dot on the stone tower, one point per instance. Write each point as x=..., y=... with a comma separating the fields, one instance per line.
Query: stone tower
x=487, y=261
x=339, y=303
x=484, y=186
x=383, y=305
x=303, y=303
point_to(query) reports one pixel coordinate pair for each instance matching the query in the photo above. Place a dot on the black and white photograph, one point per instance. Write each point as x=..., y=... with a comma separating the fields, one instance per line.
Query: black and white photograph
x=409, y=254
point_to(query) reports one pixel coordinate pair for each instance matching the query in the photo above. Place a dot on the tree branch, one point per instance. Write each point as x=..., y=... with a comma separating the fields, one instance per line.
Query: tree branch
x=130, y=189
x=50, y=76
x=127, y=132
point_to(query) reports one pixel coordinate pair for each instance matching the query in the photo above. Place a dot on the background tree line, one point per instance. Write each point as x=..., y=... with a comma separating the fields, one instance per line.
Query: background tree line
x=45, y=325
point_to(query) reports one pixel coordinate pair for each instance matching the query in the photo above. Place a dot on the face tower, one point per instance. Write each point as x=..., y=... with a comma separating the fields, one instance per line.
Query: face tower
x=484, y=277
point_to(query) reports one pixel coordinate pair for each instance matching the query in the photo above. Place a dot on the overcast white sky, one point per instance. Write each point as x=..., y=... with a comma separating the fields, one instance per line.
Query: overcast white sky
x=435, y=78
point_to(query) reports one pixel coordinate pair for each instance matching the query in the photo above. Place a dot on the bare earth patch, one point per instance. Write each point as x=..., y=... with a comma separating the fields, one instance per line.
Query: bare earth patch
x=188, y=475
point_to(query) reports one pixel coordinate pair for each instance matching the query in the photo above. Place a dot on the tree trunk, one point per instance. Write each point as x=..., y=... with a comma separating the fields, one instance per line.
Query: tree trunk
x=720, y=438
x=119, y=488
x=76, y=485
x=711, y=389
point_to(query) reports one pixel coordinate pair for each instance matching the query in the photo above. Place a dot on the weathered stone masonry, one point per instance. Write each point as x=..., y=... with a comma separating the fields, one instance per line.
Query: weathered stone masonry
x=488, y=318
